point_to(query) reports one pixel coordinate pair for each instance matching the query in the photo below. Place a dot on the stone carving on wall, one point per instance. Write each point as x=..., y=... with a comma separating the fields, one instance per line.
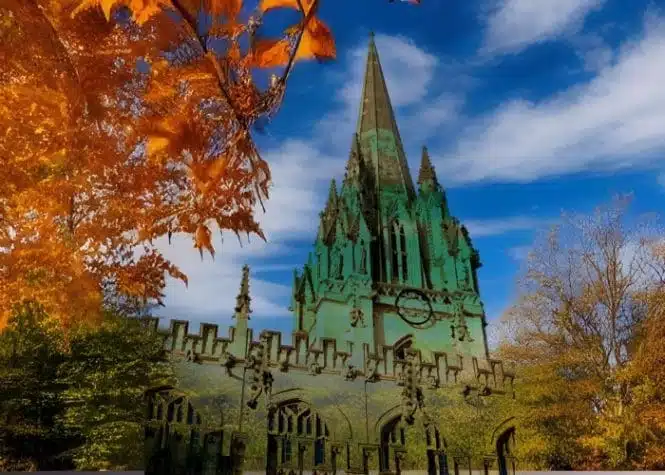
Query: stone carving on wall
x=262, y=378
x=315, y=368
x=412, y=394
x=350, y=372
x=459, y=329
x=357, y=317
x=372, y=374
x=228, y=361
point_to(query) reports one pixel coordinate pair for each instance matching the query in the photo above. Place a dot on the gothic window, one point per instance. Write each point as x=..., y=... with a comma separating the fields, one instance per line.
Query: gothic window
x=287, y=451
x=401, y=346
x=295, y=419
x=405, y=262
x=363, y=257
x=318, y=265
x=394, y=253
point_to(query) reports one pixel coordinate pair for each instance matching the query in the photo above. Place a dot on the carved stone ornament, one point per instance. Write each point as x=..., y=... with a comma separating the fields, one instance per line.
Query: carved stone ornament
x=350, y=372
x=372, y=373
x=422, y=314
x=228, y=361
x=314, y=368
x=250, y=362
x=432, y=381
x=357, y=317
x=284, y=364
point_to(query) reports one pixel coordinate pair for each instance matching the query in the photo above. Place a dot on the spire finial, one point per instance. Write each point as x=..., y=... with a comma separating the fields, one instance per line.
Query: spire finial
x=243, y=299
x=332, y=194
x=426, y=172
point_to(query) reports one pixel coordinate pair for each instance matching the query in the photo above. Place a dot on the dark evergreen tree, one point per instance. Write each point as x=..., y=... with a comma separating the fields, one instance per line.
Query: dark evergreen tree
x=31, y=403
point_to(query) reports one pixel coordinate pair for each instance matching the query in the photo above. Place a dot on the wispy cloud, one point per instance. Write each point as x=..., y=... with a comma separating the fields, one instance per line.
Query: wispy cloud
x=614, y=121
x=515, y=24
x=500, y=226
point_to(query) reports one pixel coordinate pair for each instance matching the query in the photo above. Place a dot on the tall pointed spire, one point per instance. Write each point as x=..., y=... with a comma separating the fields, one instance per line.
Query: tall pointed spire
x=426, y=173
x=243, y=299
x=377, y=128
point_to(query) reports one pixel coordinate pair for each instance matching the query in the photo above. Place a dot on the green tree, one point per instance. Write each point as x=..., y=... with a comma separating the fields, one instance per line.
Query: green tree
x=31, y=437
x=107, y=372
x=573, y=334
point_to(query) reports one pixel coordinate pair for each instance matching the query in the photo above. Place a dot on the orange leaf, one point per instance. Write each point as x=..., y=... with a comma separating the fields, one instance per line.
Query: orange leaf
x=156, y=144
x=266, y=5
x=228, y=8
x=317, y=41
x=270, y=53
x=203, y=240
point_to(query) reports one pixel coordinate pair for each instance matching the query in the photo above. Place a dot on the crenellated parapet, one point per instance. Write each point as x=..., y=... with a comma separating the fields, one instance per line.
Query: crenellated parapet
x=328, y=357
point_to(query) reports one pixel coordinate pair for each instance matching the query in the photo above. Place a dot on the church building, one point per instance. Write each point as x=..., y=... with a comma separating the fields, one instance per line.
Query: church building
x=387, y=369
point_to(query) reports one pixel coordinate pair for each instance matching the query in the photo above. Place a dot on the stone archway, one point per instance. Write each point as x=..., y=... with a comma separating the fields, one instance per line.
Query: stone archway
x=393, y=446
x=177, y=439
x=298, y=439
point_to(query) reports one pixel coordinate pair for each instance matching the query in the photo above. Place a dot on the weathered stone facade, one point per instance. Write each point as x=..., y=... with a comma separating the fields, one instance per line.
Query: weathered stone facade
x=389, y=335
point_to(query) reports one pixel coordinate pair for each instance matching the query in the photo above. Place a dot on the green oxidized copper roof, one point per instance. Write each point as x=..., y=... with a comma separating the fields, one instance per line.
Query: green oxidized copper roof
x=377, y=117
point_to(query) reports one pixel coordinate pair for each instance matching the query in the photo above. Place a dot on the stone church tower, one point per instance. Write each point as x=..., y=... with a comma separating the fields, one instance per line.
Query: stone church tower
x=387, y=368
x=391, y=265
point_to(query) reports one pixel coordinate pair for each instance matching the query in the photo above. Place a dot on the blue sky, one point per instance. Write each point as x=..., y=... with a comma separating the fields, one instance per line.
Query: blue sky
x=528, y=107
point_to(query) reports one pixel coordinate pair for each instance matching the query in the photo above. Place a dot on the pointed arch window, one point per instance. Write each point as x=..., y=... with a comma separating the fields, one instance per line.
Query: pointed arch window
x=405, y=260
x=401, y=347
x=363, y=257
x=394, y=252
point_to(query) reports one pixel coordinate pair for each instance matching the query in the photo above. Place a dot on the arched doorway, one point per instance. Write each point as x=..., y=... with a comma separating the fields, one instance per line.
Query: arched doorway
x=394, y=447
x=298, y=439
x=437, y=459
x=177, y=441
x=504, y=450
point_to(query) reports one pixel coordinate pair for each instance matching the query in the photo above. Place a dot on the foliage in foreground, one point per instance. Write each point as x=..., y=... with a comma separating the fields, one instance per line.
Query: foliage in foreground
x=76, y=406
x=125, y=121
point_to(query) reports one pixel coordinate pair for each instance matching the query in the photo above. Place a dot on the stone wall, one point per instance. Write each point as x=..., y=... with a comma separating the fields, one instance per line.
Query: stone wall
x=353, y=397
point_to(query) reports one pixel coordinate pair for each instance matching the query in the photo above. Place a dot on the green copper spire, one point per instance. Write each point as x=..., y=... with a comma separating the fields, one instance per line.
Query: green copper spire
x=377, y=129
x=426, y=173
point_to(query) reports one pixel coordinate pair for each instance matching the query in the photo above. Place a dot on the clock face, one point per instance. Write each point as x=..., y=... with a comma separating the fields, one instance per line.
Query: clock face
x=414, y=307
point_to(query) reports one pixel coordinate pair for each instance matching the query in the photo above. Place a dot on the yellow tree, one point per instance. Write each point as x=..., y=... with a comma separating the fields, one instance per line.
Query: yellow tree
x=573, y=334
x=123, y=121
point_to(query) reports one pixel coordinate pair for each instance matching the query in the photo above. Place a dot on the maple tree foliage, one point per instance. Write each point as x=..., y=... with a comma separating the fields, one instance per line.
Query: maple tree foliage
x=126, y=120
x=582, y=335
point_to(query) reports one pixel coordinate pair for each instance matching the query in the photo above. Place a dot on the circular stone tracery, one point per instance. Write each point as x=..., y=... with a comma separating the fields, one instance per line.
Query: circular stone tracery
x=418, y=314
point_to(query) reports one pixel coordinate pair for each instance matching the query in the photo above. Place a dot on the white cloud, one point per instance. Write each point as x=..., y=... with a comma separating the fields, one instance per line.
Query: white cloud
x=410, y=74
x=301, y=174
x=614, y=121
x=515, y=24
x=497, y=227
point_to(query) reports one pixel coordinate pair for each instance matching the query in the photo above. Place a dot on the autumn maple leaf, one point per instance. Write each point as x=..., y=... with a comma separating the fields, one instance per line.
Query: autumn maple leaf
x=315, y=40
